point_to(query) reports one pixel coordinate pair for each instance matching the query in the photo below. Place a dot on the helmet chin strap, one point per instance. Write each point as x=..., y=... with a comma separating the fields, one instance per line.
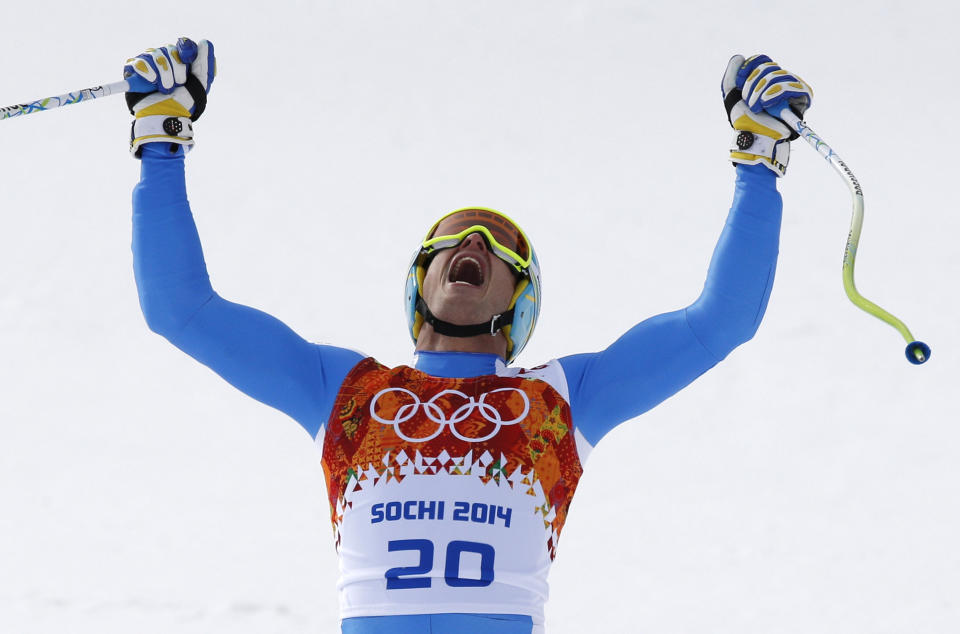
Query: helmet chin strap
x=492, y=327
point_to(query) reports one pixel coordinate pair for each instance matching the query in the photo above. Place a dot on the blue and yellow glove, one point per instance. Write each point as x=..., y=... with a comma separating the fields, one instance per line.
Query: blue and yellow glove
x=168, y=92
x=751, y=89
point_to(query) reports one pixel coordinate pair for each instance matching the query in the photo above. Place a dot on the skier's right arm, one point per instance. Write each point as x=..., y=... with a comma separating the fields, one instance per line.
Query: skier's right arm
x=252, y=350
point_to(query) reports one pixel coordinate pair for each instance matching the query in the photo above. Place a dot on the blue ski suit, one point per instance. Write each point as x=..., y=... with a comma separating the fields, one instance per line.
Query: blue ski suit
x=456, y=471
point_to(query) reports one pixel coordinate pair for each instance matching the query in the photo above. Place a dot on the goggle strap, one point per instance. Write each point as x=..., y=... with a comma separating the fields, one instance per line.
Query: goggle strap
x=492, y=327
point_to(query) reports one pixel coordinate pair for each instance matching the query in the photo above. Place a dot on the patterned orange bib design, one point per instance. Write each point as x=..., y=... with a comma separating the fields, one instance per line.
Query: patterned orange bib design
x=505, y=431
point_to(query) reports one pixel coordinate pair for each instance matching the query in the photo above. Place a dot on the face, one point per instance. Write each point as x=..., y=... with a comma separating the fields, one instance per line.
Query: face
x=467, y=284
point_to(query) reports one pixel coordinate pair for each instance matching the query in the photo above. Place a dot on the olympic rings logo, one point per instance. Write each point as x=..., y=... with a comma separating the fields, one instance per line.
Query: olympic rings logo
x=436, y=414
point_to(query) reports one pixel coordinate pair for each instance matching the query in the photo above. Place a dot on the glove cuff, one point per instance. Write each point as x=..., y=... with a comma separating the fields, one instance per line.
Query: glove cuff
x=749, y=148
x=161, y=129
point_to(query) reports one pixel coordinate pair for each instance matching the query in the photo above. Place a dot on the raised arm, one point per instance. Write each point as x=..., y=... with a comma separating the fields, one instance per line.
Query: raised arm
x=661, y=355
x=255, y=352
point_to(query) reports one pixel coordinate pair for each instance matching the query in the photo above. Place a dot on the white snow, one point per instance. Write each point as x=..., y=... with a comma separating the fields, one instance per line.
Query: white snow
x=807, y=484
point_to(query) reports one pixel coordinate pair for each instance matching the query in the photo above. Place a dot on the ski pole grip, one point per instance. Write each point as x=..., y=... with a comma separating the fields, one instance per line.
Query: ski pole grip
x=187, y=49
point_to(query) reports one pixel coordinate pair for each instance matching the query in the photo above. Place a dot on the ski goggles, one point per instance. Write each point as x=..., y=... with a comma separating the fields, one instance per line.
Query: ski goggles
x=504, y=238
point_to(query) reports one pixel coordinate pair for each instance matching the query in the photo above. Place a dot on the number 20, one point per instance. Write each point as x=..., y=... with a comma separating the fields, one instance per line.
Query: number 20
x=401, y=578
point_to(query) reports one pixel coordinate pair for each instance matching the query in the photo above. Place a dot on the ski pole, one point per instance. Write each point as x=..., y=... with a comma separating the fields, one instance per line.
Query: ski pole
x=131, y=84
x=70, y=98
x=917, y=352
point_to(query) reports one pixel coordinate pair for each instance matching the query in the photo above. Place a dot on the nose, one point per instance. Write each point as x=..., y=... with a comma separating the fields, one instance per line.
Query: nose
x=474, y=241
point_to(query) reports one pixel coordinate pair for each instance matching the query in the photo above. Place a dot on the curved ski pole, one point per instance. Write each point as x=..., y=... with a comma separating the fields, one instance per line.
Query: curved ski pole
x=70, y=98
x=917, y=352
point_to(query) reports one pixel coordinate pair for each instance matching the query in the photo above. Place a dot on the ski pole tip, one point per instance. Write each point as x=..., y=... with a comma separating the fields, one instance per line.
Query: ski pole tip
x=918, y=352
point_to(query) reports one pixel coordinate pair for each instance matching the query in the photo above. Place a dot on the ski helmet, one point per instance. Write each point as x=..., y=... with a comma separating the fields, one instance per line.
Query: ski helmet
x=506, y=240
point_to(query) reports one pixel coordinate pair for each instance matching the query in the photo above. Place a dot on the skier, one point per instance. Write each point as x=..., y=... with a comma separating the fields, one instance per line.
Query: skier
x=449, y=480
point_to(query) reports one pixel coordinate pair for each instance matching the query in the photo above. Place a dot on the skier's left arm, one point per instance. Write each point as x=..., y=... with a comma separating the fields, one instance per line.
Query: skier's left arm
x=660, y=356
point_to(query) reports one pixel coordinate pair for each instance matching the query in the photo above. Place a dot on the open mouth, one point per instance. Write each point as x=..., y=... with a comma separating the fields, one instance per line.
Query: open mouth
x=466, y=270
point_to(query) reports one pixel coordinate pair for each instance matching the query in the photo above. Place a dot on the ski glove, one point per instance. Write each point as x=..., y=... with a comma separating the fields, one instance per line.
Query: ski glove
x=751, y=89
x=168, y=92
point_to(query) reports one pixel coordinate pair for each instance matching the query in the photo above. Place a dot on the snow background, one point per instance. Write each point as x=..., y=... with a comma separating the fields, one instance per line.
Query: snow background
x=808, y=484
